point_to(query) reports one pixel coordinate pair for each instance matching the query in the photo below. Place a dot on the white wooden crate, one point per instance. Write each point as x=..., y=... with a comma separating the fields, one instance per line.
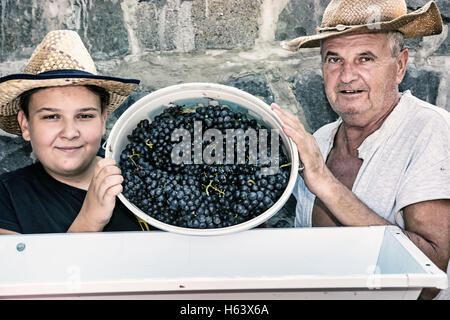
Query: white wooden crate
x=309, y=263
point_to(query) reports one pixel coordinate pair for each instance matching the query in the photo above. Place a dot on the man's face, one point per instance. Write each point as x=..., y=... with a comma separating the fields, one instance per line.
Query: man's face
x=361, y=76
x=65, y=126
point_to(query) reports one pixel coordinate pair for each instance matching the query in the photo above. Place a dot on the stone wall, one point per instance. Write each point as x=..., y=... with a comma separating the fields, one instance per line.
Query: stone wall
x=234, y=42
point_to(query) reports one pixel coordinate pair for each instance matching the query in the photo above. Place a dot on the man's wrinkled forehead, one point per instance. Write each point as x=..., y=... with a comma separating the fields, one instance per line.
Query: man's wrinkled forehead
x=362, y=42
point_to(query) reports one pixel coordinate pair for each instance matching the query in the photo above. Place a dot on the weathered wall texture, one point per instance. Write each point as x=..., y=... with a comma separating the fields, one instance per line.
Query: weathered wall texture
x=234, y=42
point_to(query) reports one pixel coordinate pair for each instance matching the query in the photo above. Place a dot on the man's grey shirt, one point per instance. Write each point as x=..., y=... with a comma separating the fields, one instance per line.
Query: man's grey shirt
x=407, y=160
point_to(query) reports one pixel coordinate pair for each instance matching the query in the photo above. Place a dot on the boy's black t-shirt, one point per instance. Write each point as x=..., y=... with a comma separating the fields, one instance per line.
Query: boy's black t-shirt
x=31, y=201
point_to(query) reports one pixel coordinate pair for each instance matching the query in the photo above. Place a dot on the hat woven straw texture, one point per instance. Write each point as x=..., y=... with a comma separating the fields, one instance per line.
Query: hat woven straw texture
x=61, y=59
x=360, y=16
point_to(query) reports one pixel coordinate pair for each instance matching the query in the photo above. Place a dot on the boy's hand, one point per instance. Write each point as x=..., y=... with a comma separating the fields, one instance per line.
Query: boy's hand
x=100, y=199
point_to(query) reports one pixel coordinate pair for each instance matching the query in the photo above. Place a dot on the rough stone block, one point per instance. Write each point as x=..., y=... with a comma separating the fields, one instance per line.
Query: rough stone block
x=309, y=90
x=24, y=24
x=300, y=18
x=22, y=27
x=163, y=25
x=255, y=84
x=423, y=84
x=14, y=153
x=196, y=25
x=102, y=28
x=225, y=25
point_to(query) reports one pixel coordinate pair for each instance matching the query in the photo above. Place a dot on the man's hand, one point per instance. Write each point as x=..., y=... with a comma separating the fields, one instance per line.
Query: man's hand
x=316, y=174
x=100, y=199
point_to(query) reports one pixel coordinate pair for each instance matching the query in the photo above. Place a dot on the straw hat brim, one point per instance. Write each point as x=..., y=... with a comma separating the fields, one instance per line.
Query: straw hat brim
x=425, y=21
x=12, y=86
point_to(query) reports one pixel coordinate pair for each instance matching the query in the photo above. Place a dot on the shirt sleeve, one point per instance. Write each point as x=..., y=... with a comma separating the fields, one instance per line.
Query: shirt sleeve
x=432, y=183
x=428, y=172
x=8, y=218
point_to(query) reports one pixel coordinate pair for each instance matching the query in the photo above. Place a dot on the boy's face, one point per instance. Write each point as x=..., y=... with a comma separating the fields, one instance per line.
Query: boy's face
x=65, y=126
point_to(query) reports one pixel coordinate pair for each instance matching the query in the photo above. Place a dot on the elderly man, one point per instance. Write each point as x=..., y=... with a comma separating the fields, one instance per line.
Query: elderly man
x=386, y=160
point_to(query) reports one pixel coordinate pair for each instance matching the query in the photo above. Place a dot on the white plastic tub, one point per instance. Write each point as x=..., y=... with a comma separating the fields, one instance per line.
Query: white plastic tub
x=316, y=263
x=190, y=94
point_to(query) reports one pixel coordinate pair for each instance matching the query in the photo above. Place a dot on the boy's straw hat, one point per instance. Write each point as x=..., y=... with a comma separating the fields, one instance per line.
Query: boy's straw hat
x=61, y=59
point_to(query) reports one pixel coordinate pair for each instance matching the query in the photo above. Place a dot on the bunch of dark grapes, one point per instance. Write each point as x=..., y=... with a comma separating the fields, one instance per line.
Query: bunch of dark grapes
x=194, y=195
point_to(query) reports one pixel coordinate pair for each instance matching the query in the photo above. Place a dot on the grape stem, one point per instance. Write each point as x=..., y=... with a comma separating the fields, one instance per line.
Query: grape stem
x=134, y=154
x=149, y=143
x=221, y=192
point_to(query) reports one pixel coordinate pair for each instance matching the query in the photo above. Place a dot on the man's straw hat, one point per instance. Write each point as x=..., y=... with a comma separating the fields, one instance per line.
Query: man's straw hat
x=361, y=16
x=61, y=59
